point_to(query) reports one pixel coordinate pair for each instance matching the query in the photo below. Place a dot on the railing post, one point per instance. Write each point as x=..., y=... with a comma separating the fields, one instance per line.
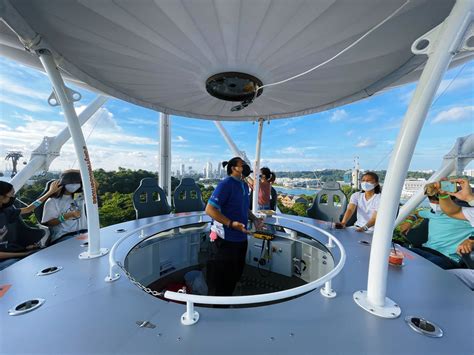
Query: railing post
x=190, y=317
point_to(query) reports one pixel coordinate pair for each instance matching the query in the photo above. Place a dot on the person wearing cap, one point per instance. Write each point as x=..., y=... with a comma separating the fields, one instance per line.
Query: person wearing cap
x=64, y=212
x=9, y=214
x=229, y=208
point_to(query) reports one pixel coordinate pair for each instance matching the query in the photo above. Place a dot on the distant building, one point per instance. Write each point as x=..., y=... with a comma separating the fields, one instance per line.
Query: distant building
x=183, y=170
x=469, y=172
x=411, y=186
x=208, y=170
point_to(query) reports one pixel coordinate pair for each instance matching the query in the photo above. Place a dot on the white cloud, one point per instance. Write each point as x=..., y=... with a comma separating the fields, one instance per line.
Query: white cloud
x=291, y=131
x=455, y=114
x=338, y=115
x=365, y=143
x=27, y=105
x=350, y=133
x=17, y=89
x=179, y=139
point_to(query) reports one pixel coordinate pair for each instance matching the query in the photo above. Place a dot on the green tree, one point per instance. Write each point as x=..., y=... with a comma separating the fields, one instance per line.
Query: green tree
x=116, y=208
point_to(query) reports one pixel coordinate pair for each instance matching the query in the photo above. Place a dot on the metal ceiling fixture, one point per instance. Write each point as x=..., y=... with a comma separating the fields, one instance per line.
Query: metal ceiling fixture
x=234, y=86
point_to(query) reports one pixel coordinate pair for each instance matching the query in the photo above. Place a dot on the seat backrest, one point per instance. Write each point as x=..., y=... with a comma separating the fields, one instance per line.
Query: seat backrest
x=419, y=235
x=329, y=204
x=39, y=210
x=149, y=199
x=188, y=197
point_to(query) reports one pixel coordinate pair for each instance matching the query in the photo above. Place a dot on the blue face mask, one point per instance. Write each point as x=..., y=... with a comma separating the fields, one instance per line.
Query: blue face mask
x=367, y=186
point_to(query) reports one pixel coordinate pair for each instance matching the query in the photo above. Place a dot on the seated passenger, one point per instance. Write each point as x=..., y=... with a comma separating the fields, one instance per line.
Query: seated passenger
x=446, y=236
x=64, y=212
x=366, y=202
x=9, y=214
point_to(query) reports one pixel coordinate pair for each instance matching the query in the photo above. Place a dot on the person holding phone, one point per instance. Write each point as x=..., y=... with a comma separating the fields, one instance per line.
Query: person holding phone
x=228, y=206
x=64, y=212
x=9, y=214
x=449, y=188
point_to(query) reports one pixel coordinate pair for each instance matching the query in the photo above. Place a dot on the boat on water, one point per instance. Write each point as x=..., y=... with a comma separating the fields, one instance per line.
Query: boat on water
x=327, y=291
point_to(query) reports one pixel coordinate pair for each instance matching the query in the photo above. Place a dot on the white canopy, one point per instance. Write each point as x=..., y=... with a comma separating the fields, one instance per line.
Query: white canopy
x=159, y=54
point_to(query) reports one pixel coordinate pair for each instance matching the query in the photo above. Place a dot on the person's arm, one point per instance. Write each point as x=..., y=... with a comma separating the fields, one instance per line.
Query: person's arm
x=217, y=215
x=62, y=218
x=369, y=224
x=55, y=187
x=447, y=204
x=9, y=255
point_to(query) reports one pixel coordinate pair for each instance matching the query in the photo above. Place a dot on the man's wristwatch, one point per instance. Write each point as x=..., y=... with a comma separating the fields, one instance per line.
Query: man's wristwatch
x=365, y=228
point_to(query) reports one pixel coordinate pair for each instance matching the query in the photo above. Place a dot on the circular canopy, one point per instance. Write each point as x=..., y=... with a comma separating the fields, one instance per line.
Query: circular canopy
x=159, y=54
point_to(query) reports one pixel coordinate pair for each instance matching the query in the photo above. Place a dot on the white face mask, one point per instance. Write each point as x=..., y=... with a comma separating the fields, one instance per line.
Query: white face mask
x=72, y=187
x=367, y=186
x=435, y=207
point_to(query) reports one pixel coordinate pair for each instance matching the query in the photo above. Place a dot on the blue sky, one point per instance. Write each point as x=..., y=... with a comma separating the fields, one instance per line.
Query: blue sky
x=122, y=134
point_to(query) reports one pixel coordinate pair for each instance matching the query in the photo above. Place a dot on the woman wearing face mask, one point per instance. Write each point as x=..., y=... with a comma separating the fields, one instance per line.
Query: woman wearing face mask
x=366, y=202
x=64, y=212
x=9, y=214
x=448, y=238
x=229, y=208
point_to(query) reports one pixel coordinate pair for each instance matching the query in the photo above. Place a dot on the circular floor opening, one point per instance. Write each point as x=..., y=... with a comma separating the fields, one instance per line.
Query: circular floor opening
x=173, y=259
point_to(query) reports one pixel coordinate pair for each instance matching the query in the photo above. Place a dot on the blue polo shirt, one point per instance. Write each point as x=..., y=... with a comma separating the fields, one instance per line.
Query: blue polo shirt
x=446, y=233
x=231, y=197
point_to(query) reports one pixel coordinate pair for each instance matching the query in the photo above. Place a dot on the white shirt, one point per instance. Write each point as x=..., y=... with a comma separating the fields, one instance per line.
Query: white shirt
x=54, y=207
x=365, y=208
x=468, y=212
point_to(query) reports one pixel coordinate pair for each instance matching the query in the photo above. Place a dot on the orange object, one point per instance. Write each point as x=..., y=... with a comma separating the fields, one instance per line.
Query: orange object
x=396, y=257
x=4, y=289
x=82, y=237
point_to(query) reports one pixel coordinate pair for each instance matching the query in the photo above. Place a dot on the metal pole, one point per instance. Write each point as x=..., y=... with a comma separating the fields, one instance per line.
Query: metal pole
x=440, y=54
x=230, y=142
x=85, y=167
x=48, y=150
x=164, y=177
x=256, y=169
x=448, y=166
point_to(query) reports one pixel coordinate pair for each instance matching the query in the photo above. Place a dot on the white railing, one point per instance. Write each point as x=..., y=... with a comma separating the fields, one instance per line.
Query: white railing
x=112, y=260
x=191, y=317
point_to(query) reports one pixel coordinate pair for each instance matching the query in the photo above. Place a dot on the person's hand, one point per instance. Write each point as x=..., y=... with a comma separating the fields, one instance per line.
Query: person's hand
x=339, y=225
x=465, y=194
x=73, y=214
x=360, y=229
x=54, y=187
x=258, y=223
x=465, y=247
x=239, y=227
x=405, y=228
x=32, y=247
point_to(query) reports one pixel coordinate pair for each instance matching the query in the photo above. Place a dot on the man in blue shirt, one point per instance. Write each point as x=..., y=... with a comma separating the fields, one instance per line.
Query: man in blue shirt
x=445, y=235
x=229, y=208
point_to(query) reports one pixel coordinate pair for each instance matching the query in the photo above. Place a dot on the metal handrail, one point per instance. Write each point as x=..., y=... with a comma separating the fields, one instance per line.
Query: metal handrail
x=267, y=297
x=113, y=263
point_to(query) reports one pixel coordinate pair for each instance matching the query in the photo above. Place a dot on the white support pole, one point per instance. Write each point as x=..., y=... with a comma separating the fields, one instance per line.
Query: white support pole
x=230, y=143
x=448, y=166
x=164, y=177
x=85, y=167
x=444, y=47
x=49, y=149
x=191, y=316
x=256, y=169
x=327, y=290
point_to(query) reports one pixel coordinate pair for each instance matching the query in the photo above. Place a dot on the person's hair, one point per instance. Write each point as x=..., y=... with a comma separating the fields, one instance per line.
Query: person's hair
x=373, y=175
x=5, y=187
x=272, y=177
x=70, y=176
x=231, y=163
x=266, y=172
x=433, y=198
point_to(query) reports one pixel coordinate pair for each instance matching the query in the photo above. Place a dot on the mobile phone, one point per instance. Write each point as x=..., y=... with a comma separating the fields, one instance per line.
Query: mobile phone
x=448, y=186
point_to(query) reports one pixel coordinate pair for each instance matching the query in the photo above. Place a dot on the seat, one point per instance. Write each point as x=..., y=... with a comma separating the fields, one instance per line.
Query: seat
x=188, y=197
x=20, y=235
x=419, y=235
x=150, y=200
x=329, y=204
